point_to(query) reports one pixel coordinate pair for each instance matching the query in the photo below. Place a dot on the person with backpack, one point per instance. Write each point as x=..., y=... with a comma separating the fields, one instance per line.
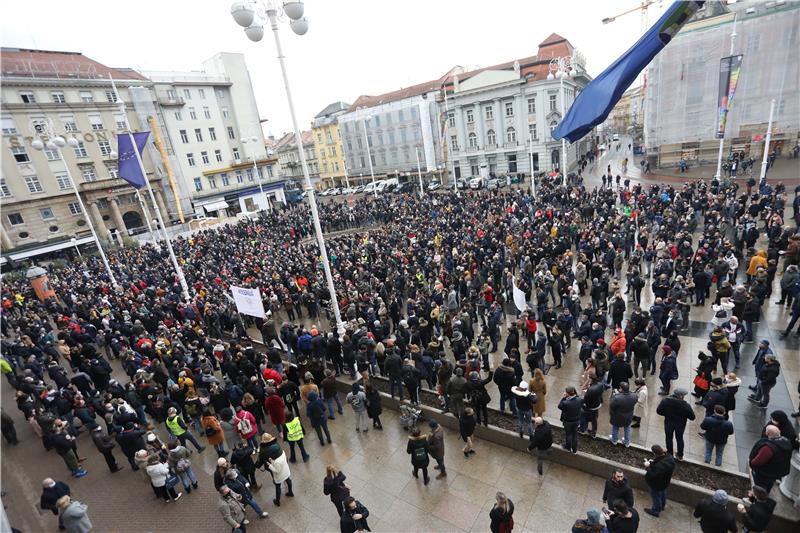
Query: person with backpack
x=418, y=449
x=245, y=424
x=178, y=460
x=213, y=431
x=358, y=401
x=293, y=434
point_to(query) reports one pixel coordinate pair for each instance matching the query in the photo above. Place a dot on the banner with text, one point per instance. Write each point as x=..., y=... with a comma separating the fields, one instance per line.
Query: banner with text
x=248, y=301
x=729, y=68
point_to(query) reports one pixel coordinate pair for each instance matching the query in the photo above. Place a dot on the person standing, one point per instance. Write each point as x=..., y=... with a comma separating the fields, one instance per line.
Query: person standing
x=64, y=443
x=293, y=434
x=73, y=514
x=658, y=477
x=502, y=514
x=770, y=458
x=52, y=491
x=333, y=486
x=617, y=488
x=466, y=428
x=159, y=472
x=213, y=431
x=104, y=444
x=623, y=518
x=676, y=412
x=374, y=407
x=757, y=510
x=231, y=508
x=358, y=401
x=717, y=430
x=621, y=410
x=179, y=462
x=245, y=424
x=642, y=402
x=542, y=441
x=714, y=515
x=767, y=378
x=315, y=411
x=279, y=469
x=668, y=371
x=418, y=449
x=354, y=517
x=524, y=408
x=570, y=407
x=592, y=400
x=436, y=442
x=178, y=429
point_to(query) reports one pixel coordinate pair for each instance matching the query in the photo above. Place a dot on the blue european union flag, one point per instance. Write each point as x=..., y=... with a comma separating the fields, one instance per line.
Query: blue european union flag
x=596, y=101
x=128, y=166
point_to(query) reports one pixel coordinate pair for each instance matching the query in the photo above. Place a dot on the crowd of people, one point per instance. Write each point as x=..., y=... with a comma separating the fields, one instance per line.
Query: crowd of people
x=428, y=287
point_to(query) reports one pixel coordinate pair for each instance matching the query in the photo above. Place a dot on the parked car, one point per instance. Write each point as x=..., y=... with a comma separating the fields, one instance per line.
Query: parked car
x=390, y=184
x=405, y=188
x=615, y=137
x=462, y=183
x=373, y=186
x=516, y=178
x=435, y=184
x=358, y=189
x=495, y=183
x=477, y=183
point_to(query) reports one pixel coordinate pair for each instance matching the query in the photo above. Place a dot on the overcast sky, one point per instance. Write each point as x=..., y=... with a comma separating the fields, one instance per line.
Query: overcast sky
x=353, y=47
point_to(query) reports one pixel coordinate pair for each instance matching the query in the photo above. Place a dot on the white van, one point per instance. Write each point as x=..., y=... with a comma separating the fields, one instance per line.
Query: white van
x=389, y=185
x=373, y=186
x=615, y=137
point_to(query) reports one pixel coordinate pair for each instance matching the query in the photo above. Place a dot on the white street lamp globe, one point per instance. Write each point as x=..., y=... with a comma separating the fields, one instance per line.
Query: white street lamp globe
x=293, y=9
x=73, y=142
x=37, y=144
x=243, y=13
x=255, y=33
x=59, y=141
x=300, y=27
x=51, y=145
x=113, y=155
x=551, y=77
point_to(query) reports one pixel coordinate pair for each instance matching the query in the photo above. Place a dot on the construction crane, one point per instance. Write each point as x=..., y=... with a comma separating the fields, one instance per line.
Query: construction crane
x=643, y=8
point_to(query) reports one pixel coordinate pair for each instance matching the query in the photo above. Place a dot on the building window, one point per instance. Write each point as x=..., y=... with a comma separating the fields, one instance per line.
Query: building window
x=172, y=95
x=111, y=168
x=20, y=155
x=212, y=182
x=225, y=113
x=96, y=121
x=250, y=174
x=190, y=159
x=535, y=158
x=451, y=120
x=87, y=171
x=75, y=208
x=33, y=184
x=111, y=96
x=509, y=109
x=198, y=184
x=489, y=112
x=225, y=180
x=15, y=219
x=206, y=112
x=63, y=182
x=198, y=134
x=5, y=192
x=400, y=116
x=236, y=154
x=470, y=116
x=231, y=134
x=120, y=121
x=80, y=150
x=8, y=126
x=178, y=115
x=58, y=97
x=204, y=156
x=531, y=106
x=377, y=122
x=491, y=137
x=472, y=140
x=369, y=141
x=202, y=93
x=47, y=213
x=86, y=97
x=532, y=131
x=102, y=203
x=52, y=155
x=69, y=123
x=184, y=136
x=105, y=147
x=239, y=176
x=192, y=114
x=220, y=93
x=218, y=155
x=27, y=97
x=269, y=171
x=511, y=135
x=212, y=134
x=512, y=162
x=187, y=93
x=454, y=142
x=553, y=104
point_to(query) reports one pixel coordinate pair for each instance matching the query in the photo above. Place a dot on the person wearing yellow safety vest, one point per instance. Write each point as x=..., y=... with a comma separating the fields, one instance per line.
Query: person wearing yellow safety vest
x=293, y=434
x=178, y=429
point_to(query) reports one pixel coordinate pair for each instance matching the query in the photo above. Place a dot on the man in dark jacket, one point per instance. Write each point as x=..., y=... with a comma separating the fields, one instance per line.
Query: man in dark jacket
x=668, y=370
x=676, y=411
x=51, y=492
x=658, y=476
x=505, y=378
x=617, y=488
x=621, y=413
x=718, y=395
x=770, y=458
x=354, y=517
x=104, y=444
x=714, y=515
x=541, y=440
x=767, y=378
x=717, y=430
x=592, y=400
x=570, y=406
x=130, y=441
x=620, y=370
x=393, y=365
x=757, y=509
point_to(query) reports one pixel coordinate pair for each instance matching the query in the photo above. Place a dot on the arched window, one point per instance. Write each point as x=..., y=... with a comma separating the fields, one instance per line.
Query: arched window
x=472, y=140
x=511, y=135
x=491, y=137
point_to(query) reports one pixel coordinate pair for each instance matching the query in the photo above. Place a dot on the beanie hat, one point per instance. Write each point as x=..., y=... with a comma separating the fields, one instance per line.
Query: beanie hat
x=667, y=349
x=720, y=497
x=221, y=461
x=593, y=516
x=433, y=423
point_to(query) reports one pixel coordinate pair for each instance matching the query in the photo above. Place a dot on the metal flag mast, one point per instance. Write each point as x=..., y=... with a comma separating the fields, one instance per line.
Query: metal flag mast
x=178, y=269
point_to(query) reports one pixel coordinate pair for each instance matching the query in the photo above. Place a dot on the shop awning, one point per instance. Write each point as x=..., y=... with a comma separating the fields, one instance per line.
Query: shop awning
x=215, y=206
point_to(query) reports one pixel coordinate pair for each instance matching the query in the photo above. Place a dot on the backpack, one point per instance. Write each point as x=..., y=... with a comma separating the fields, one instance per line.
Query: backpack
x=210, y=431
x=355, y=401
x=244, y=426
x=420, y=453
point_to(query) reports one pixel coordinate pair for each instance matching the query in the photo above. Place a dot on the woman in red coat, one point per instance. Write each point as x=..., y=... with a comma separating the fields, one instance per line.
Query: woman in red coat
x=275, y=408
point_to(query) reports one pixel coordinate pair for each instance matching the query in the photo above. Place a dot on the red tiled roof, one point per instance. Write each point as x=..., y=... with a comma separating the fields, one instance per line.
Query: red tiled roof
x=23, y=62
x=407, y=92
x=553, y=39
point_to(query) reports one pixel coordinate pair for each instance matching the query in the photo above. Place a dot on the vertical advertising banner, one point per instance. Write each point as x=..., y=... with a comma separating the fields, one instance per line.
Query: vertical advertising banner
x=729, y=69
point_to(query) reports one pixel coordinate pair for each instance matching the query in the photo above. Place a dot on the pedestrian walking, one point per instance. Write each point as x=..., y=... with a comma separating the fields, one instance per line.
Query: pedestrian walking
x=245, y=424
x=676, y=412
x=358, y=401
x=541, y=441
x=316, y=413
x=714, y=515
x=177, y=428
x=105, y=444
x=72, y=514
x=232, y=509
x=334, y=486
x=52, y=491
x=374, y=407
x=281, y=473
x=668, y=371
x=502, y=514
x=466, y=428
x=570, y=407
x=354, y=517
x=418, y=448
x=436, y=443
x=658, y=477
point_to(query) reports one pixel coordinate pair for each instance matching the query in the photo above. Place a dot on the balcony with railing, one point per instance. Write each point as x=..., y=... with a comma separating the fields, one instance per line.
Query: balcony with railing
x=167, y=101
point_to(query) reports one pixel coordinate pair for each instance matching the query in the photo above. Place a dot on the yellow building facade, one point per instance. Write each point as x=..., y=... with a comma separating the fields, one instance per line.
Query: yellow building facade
x=328, y=145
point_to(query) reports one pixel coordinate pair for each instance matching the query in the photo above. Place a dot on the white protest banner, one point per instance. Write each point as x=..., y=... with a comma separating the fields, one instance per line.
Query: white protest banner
x=519, y=297
x=248, y=301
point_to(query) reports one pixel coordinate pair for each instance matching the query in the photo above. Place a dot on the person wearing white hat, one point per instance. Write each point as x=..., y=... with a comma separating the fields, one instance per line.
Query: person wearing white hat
x=525, y=403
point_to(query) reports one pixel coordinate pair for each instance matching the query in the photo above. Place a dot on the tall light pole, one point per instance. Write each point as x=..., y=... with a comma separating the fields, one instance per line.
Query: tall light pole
x=765, y=157
x=419, y=171
x=46, y=137
x=561, y=68
x=722, y=137
x=244, y=13
x=254, y=141
x=369, y=155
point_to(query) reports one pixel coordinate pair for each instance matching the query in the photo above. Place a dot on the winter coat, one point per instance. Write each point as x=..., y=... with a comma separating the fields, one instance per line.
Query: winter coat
x=570, y=409
x=619, y=371
x=659, y=473
x=618, y=491
x=436, y=441
x=466, y=425
x=504, y=378
x=75, y=519
x=316, y=410
x=621, y=408
x=158, y=474
x=374, y=407
x=336, y=488
x=279, y=468
x=542, y=438
x=232, y=509
x=714, y=518
x=675, y=411
x=539, y=390
x=231, y=434
x=413, y=448
x=212, y=422
x=347, y=524
x=717, y=429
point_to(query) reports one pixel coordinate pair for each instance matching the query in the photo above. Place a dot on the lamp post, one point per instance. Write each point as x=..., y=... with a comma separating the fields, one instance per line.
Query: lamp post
x=419, y=171
x=244, y=13
x=74, y=242
x=722, y=137
x=369, y=155
x=46, y=137
x=254, y=141
x=561, y=68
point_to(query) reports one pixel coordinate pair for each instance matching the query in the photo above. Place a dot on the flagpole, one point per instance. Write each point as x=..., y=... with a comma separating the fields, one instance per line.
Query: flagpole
x=419, y=171
x=175, y=264
x=146, y=213
x=765, y=157
x=722, y=138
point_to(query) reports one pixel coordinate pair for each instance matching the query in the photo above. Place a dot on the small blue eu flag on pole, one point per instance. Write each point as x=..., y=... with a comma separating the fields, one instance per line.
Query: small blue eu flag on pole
x=128, y=166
